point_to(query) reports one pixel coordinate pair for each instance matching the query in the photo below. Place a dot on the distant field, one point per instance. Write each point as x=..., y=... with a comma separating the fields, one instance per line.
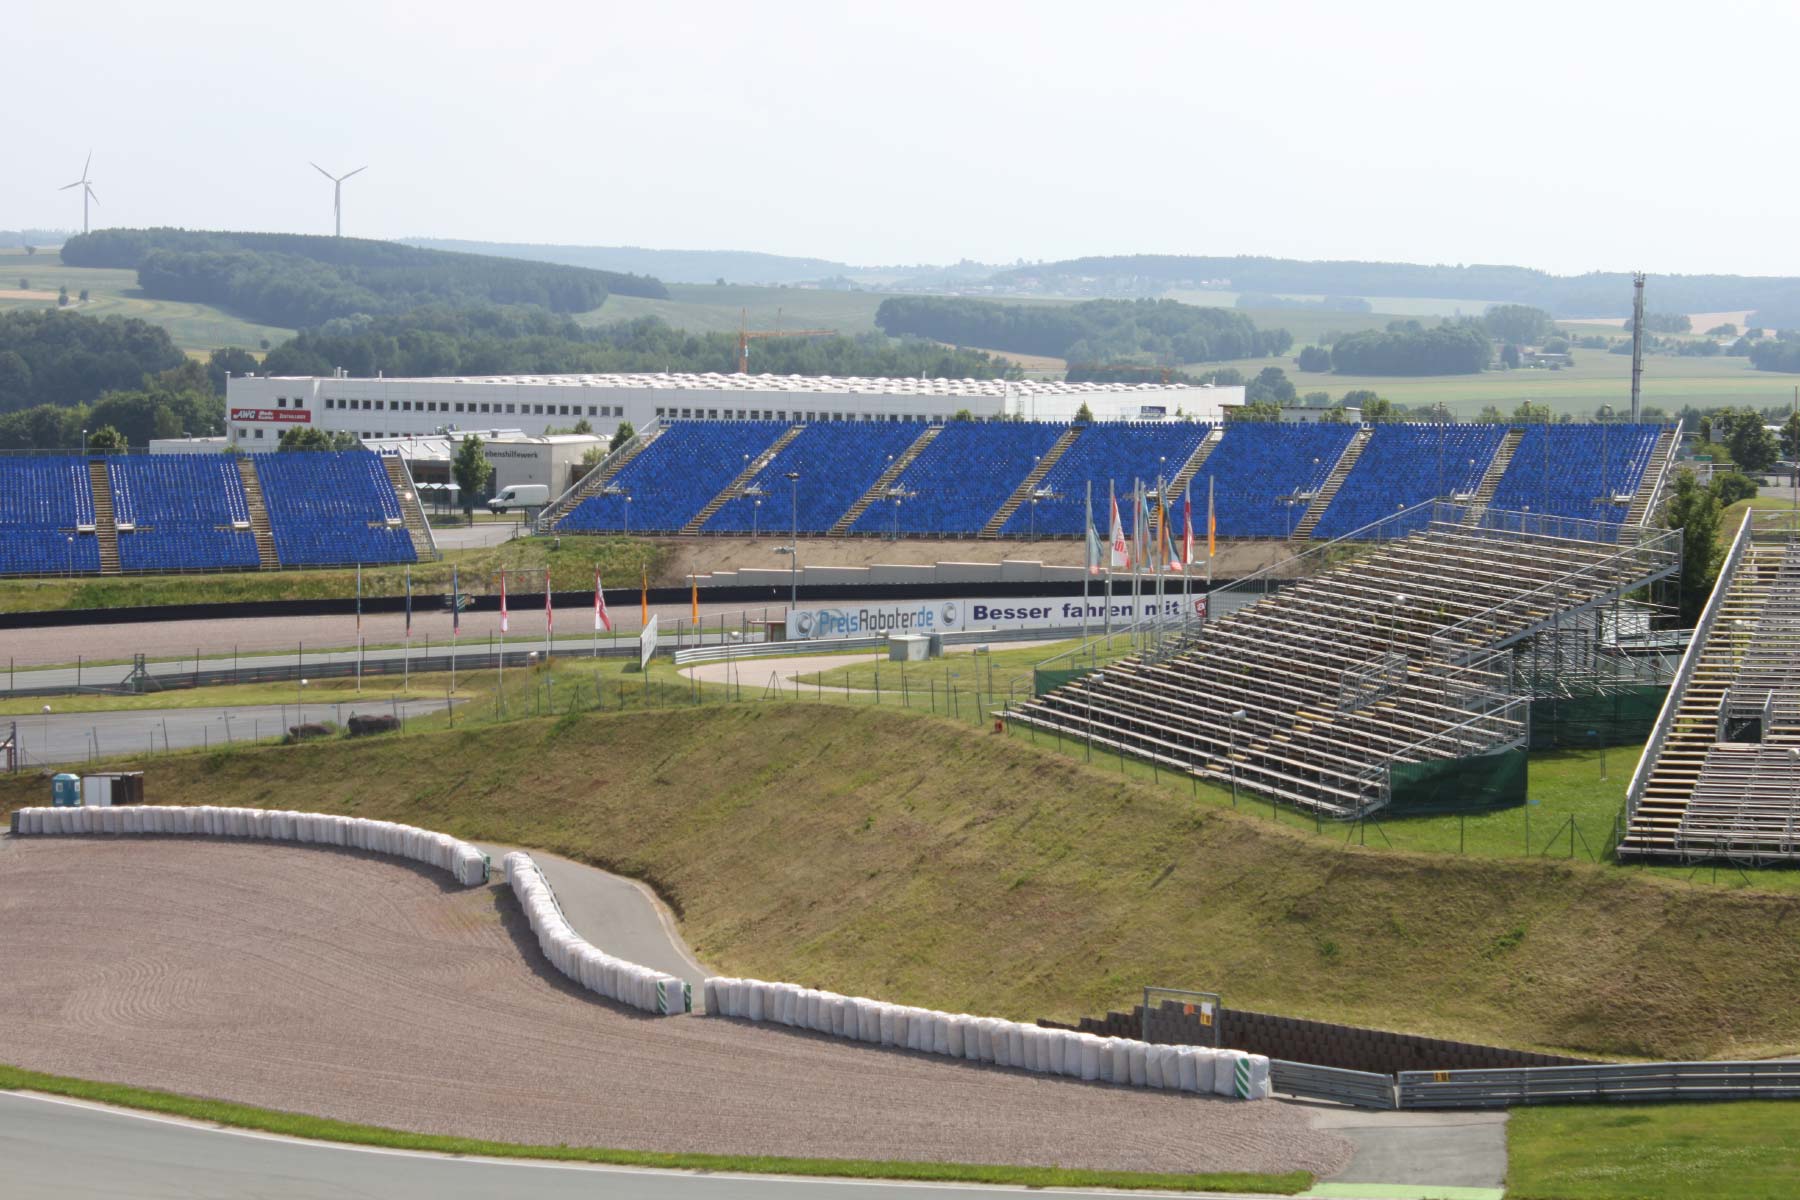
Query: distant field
x=195, y=327
x=705, y=309
x=1596, y=378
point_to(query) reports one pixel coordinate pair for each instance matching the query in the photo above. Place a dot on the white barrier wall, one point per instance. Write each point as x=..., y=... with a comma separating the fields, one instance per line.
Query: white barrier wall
x=1065, y=1052
x=467, y=864
x=591, y=967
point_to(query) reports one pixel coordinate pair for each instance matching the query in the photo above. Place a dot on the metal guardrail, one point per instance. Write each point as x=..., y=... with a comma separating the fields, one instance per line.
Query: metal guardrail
x=1363, y=1089
x=1690, y=660
x=1501, y=1087
x=966, y=637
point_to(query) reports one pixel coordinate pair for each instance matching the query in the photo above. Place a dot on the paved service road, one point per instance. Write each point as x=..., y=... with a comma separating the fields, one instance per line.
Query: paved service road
x=74, y=737
x=56, y=1149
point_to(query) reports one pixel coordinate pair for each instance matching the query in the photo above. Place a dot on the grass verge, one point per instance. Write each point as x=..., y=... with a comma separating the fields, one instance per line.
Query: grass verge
x=1742, y=1149
x=268, y=1120
x=892, y=853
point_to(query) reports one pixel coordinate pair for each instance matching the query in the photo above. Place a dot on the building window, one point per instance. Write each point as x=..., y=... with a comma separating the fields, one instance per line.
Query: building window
x=509, y=409
x=281, y=402
x=328, y=403
x=687, y=413
x=659, y=413
x=242, y=432
x=380, y=405
x=565, y=410
x=259, y=433
x=592, y=411
x=484, y=408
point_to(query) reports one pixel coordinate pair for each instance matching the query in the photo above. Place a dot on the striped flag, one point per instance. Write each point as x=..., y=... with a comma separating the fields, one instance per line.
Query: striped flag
x=1212, y=524
x=455, y=603
x=359, y=601
x=644, y=599
x=1171, y=552
x=1093, y=537
x=1187, y=527
x=505, y=622
x=409, y=604
x=1121, y=552
x=549, y=616
x=602, y=618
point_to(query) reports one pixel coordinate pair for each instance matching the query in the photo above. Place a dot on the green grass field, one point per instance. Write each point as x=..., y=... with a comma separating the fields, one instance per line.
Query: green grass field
x=1745, y=1150
x=894, y=854
x=196, y=328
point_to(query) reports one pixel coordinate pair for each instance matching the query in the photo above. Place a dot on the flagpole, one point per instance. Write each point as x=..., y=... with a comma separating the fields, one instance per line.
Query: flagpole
x=1088, y=567
x=1137, y=561
x=1187, y=555
x=455, y=624
x=596, y=610
x=1112, y=545
x=406, y=646
x=359, y=637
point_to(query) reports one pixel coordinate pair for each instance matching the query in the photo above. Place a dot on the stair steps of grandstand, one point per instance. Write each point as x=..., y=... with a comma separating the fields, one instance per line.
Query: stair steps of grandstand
x=597, y=479
x=1490, y=478
x=736, y=487
x=106, y=527
x=411, y=512
x=1660, y=464
x=1178, y=486
x=1030, y=483
x=1690, y=750
x=1333, y=482
x=879, y=488
x=259, y=513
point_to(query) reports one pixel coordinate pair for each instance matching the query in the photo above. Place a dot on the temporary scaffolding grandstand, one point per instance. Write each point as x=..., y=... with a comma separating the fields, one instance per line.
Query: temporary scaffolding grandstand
x=1720, y=775
x=1379, y=670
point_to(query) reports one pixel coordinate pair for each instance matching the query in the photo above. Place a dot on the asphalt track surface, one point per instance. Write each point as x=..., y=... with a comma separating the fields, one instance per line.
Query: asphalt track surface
x=64, y=738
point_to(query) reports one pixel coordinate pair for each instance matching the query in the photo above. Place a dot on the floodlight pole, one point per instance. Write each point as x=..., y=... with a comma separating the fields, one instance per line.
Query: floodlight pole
x=793, y=478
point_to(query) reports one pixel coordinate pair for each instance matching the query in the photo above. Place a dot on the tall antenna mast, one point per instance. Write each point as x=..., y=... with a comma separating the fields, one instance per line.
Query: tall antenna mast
x=1637, y=343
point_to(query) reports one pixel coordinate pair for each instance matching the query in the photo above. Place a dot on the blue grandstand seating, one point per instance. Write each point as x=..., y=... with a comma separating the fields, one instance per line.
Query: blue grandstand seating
x=43, y=500
x=1404, y=465
x=182, y=508
x=1260, y=467
x=1566, y=470
x=672, y=480
x=837, y=462
x=962, y=478
x=1109, y=452
x=332, y=508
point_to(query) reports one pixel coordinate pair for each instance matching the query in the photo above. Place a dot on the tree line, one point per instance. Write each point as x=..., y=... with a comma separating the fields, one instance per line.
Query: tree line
x=1404, y=348
x=1096, y=331
x=300, y=281
x=52, y=357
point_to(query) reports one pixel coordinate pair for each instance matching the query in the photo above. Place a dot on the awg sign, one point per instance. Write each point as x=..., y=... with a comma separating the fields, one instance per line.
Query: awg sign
x=291, y=416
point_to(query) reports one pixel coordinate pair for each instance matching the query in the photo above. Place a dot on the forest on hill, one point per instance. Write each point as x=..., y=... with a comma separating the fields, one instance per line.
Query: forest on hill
x=1097, y=331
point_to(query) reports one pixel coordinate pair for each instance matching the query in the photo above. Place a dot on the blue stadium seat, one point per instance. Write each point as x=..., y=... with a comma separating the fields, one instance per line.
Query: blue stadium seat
x=962, y=478
x=185, y=510
x=331, y=508
x=1105, y=453
x=1258, y=470
x=1576, y=470
x=1404, y=465
x=44, y=500
x=837, y=462
x=674, y=477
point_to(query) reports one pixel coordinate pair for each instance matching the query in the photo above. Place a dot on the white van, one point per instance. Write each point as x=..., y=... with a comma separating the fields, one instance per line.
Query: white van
x=520, y=495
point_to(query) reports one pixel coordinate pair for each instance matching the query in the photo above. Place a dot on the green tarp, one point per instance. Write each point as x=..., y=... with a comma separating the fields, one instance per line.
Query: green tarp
x=1621, y=719
x=1444, y=785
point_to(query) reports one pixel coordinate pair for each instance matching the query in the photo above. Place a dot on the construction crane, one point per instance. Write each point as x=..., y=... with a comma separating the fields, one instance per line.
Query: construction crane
x=746, y=336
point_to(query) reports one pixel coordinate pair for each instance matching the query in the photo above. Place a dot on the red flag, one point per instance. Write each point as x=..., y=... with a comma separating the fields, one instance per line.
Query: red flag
x=602, y=619
x=504, y=625
x=549, y=618
x=1187, y=528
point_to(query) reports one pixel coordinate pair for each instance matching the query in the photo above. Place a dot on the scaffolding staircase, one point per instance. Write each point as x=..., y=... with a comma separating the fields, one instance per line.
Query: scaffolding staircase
x=1645, y=502
x=879, y=488
x=1490, y=479
x=597, y=480
x=412, y=514
x=106, y=526
x=1333, y=482
x=736, y=487
x=259, y=513
x=1031, y=482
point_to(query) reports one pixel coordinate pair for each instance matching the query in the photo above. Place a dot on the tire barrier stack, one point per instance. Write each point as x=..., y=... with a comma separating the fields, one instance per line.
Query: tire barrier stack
x=468, y=865
x=586, y=964
x=1064, y=1052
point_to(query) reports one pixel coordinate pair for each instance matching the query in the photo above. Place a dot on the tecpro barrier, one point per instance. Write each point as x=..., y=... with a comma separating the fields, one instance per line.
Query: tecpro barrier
x=586, y=964
x=468, y=865
x=1065, y=1052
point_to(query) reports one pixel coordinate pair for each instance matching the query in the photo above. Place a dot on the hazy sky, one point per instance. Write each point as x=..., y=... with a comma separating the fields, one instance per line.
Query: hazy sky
x=1567, y=136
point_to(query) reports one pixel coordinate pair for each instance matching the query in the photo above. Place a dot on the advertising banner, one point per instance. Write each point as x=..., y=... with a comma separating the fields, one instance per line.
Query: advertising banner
x=292, y=416
x=963, y=614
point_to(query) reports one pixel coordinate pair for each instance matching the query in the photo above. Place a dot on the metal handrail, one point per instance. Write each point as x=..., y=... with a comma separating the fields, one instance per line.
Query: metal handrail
x=639, y=437
x=1690, y=660
x=430, y=536
x=1663, y=472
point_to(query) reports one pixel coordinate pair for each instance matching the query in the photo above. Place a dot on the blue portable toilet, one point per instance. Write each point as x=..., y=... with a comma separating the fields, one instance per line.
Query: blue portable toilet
x=65, y=791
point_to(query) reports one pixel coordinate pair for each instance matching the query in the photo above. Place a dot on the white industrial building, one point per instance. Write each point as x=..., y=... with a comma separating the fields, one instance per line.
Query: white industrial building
x=260, y=407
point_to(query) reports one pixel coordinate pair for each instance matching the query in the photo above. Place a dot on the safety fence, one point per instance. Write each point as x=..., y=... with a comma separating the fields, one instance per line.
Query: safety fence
x=1616, y=1082
x=467, y=864
x=723, y=652
x=627, y=983
x=1003, y=1043
x=1361, y=1089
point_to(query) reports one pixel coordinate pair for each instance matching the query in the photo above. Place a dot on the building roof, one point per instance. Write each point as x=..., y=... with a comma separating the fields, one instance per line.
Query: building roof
x=835, y=384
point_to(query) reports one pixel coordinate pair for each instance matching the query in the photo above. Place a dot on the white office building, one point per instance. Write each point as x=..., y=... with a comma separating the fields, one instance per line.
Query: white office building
x=260, y=407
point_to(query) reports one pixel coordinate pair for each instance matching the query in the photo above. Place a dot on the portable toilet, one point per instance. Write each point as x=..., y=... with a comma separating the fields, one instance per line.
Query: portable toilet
x=65, y=791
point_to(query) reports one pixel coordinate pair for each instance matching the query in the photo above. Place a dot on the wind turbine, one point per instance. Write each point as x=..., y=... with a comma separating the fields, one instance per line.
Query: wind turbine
x=337, y=195
x=87, y=190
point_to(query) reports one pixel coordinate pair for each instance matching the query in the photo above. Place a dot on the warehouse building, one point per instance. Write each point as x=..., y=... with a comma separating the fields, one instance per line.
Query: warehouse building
x=261, y=407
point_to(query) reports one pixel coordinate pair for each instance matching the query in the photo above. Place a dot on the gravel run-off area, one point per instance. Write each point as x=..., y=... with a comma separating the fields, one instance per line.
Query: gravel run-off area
x=352, y=986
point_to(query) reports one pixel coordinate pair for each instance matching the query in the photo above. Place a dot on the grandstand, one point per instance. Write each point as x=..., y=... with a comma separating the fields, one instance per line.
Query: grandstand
x=109, y=515
x=1720, y=775
x=1017, y=479
x=1382, y=681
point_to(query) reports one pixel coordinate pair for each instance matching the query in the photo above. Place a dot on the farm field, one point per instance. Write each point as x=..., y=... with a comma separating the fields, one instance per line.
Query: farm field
x=706, y=309
x=196, y=328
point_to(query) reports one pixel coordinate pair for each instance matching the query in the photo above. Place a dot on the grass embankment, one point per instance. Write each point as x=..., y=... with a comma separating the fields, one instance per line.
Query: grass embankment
x=1745, y=1150
x=571, y=560
x=887, y=853
x=244, y=1116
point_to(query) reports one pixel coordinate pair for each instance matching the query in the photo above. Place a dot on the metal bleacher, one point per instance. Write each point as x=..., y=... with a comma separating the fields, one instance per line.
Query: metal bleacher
x=1720, y=775
x=1313, y=693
